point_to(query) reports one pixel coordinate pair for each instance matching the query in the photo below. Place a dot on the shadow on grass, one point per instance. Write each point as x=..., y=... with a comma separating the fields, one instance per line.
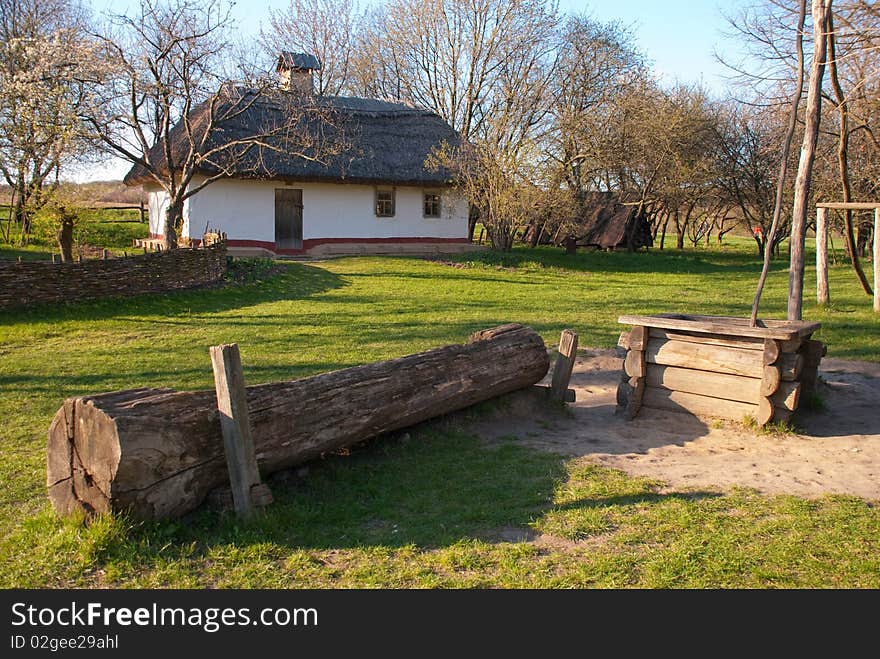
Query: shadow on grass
x=668, y=261
x=429, y=487
x=298, y=281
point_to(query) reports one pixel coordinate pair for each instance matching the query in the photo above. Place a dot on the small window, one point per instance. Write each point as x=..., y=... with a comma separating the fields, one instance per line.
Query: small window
x=432, y=204
x=385, y=202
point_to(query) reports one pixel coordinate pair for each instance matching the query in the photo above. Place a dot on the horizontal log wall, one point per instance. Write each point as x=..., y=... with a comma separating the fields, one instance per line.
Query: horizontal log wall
x=33, y=282
x=714, y=374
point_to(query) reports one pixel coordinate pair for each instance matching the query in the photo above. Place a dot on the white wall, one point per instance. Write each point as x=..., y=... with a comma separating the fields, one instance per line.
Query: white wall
x=245, y=210
x=157, y=202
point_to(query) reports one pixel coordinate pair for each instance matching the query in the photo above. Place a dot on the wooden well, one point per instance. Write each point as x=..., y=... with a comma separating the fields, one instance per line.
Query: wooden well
x=718, y=366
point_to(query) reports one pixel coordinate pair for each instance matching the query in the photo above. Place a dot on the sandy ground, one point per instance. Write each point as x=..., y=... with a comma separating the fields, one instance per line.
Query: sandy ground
x=837, y=452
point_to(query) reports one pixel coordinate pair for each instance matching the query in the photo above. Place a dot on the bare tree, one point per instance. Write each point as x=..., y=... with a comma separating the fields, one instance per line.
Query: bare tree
x=170, y=109
x=326, y=29
x=599, y=66
x=821, y=13
x=783, y=159
x=843, y=109
x=459, y=57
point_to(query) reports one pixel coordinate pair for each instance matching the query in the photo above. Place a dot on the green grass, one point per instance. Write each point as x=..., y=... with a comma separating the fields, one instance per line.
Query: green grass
x=110, y=229
x=432, y=510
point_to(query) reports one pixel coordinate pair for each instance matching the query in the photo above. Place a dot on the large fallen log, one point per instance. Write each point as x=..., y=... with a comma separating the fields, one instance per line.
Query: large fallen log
x=157, y=453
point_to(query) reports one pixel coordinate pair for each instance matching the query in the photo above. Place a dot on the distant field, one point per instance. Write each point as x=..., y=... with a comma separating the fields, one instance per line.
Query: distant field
x=422, y=512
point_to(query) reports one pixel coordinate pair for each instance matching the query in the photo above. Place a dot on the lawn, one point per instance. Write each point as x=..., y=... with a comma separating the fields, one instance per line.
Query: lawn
x=434, y=507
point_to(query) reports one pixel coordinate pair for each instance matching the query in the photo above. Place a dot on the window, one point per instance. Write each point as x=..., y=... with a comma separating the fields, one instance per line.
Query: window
x=384, y=202
x=432, y=204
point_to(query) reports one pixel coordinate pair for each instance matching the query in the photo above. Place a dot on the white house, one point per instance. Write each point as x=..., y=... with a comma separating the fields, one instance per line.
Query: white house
x=377, y=196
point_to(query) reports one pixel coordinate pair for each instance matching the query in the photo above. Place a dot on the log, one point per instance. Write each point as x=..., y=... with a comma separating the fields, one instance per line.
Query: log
x=770, y=380
x=679, y=401
x=638, y=337
x=705, y=357
x=157, y=453
x=730, y=341
x=634, y=364
x=772, y=350
x=719, y=359
x=721, y=385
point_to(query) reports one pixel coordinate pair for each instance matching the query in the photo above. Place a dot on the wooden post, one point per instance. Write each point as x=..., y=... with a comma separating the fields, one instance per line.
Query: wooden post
x=142, y=211
x=105, y=254
x=876, y=260
x=244, y=476
x=822, y=256
x=568, y=343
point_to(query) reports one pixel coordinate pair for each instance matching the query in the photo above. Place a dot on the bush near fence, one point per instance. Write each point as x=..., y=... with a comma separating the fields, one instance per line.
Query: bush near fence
x=33, y=282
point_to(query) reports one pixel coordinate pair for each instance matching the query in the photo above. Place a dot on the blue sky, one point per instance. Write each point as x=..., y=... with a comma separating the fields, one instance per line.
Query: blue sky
x=678, y=37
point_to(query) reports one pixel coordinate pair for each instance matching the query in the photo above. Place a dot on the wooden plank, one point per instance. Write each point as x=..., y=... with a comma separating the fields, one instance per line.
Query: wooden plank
x=767, y=329
x=705, y=357
x=850, y=205
x=235, y=426
x=746, y=342
x=623, y=340
x=568, y=343
x=634, y=364
x=680, y=401
x=705, y=383
x=822, y=255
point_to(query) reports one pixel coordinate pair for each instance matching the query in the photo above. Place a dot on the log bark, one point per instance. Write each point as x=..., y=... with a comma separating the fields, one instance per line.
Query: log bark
x=158, y=452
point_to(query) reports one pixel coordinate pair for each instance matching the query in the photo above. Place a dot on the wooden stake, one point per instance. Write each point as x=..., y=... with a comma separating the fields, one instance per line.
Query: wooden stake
x=876, y=260
x=822, y=256
x=244, y=476
x=568, y=344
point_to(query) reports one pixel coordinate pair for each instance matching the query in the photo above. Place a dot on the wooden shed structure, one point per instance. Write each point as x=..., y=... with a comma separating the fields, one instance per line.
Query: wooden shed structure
x=609, y=223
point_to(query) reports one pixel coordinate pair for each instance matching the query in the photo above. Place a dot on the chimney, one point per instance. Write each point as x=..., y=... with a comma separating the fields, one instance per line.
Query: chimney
x=295, y=70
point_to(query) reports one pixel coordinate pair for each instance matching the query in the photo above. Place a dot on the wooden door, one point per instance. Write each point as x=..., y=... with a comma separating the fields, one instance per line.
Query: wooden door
x=288, y=218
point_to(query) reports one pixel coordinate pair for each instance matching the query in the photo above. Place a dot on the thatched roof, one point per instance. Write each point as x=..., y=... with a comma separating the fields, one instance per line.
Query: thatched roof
x=289, y=60
x=608, y=223
x=384, y=142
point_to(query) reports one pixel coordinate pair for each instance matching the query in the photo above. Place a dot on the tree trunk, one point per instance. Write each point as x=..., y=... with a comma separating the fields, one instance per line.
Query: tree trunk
x=783, y=165
x=173, y=221
x=821, y=10
x=843, y=159
x=679, y=241
x=663, y=231
x=158, y=452
x=65, y=237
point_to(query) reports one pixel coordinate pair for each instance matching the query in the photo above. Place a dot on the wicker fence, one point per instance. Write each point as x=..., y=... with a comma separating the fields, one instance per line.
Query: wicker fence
x=33, y=282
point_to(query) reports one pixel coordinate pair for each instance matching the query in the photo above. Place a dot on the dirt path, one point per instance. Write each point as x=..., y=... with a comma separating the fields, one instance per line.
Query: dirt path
x=837, y=452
